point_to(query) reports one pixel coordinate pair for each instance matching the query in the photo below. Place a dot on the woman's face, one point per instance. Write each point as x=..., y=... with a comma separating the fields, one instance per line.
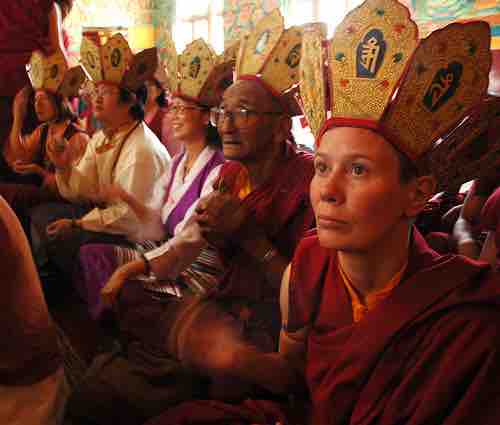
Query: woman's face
x=357, y=195
x=189, y=121
x=45, y=107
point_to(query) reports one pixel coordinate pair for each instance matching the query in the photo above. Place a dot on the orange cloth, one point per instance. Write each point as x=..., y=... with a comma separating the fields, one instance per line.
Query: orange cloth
x=362, y=306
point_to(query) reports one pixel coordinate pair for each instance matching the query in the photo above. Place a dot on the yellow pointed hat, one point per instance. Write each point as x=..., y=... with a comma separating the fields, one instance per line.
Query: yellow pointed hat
x=379, y=77
x=198, y=74
x=271, y=55
x=114, y=62
x=52, y=74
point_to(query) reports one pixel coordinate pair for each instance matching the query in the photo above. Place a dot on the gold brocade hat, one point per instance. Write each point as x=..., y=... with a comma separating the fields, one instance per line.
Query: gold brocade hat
x=271, y=54
x=52, y=74
x=381, y=78
x=198, y=74
x=115, y=63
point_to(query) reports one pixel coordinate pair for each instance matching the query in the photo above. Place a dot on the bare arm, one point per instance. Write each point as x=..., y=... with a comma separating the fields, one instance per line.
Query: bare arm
x=56, y=40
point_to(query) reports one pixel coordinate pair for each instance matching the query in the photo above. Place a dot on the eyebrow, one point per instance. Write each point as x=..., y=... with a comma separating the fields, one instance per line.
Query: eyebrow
x=348, y=157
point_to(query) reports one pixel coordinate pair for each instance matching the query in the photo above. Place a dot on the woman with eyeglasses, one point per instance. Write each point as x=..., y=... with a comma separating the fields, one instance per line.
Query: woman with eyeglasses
x=190, y=175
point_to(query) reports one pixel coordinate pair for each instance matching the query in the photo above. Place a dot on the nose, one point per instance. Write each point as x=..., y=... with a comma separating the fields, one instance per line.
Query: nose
x=333, y=188
x=226, y=124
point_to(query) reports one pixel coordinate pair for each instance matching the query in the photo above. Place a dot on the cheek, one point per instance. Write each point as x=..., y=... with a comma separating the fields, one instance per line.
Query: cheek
x=314, y=192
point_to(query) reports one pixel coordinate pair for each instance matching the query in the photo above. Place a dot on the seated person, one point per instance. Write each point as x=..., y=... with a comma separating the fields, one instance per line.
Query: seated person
x=125, y=152
x=383, y=329
x=33, y=387
x=177, y=342
x=25, y=27
x=190, y=175
x=27, y=155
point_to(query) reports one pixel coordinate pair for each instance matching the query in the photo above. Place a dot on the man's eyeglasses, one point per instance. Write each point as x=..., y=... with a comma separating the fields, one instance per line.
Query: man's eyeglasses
x=239, y=116
x=181, y=109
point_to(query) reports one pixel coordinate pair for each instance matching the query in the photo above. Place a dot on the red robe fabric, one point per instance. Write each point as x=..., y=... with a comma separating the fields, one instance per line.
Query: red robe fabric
x=30, y=350
x=490, y=218
x=429, y=353
x=23, y=29
x=282, y=209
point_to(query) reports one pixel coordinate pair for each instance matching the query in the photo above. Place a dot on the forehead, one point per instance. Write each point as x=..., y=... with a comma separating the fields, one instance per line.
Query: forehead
x=179, y=101
x=42, y=94
x=247, y=93
x=107, y=88
x=352, y=141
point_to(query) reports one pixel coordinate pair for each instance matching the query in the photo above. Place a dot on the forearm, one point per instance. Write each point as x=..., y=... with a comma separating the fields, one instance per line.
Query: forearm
x=269, y=370
x=55, y=30
x=14, y=149
x=133, y=269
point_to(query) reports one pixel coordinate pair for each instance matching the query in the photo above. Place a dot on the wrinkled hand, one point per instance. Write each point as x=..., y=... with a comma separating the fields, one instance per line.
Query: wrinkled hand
x=112, y=288
x=24, y=168
x=20, y=105
x=220, y=215
x=60, y=228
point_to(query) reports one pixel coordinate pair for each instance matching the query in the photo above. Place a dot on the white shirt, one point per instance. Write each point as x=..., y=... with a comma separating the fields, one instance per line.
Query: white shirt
x=135, y=163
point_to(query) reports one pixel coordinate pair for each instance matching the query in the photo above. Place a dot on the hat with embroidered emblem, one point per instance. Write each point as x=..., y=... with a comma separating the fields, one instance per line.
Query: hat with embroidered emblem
x=113, y=62
x=52, y=74
x=380, y=76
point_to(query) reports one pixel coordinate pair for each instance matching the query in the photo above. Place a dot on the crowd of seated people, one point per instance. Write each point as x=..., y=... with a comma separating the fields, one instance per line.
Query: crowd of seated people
x=248, y=280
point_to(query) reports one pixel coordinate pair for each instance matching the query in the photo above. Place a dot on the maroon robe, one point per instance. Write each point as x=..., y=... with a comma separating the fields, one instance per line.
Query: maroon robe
x=24, y=28
x=30, y=350
x=429, y=353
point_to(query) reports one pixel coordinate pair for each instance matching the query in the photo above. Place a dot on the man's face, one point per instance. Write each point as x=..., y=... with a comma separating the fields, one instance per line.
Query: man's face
x=106, y=102
x=45, y=107
x=250, y=138
x=356, y=193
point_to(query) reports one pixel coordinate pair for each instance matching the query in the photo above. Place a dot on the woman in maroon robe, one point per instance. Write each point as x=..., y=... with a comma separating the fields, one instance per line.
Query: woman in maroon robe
x=25, y=27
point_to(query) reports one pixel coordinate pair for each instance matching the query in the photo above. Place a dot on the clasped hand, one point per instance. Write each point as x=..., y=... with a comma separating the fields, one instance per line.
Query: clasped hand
x=220, y=216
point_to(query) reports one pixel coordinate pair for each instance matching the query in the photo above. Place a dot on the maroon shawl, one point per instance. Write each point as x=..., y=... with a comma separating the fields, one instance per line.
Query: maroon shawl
x=281, y=207
x=23, y=29
x=429, y=353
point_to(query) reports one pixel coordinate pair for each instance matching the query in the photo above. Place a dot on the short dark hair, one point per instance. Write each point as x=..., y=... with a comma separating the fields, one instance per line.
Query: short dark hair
x=407, y=168
x=161, y=99
x=137, y=102
x=213, y=137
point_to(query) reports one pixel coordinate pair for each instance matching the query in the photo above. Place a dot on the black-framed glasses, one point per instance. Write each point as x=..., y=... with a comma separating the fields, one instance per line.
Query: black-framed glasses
x=239, y=116
x=181, y=109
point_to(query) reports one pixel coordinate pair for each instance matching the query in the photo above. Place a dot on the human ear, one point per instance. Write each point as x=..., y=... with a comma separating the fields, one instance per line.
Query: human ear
x=421, y=189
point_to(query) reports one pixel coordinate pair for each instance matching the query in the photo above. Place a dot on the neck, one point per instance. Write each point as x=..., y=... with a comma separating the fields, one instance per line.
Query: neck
x=371, y=270
x=194, y=148
x=261, y=169
x=110, y=127
x=151, y=108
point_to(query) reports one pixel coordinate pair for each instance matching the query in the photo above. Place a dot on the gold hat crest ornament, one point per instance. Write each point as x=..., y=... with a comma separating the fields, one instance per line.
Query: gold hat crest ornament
x=198, y=74
x=114, y=62
x=382, y=78
x=52, y=74
x=271, y=55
